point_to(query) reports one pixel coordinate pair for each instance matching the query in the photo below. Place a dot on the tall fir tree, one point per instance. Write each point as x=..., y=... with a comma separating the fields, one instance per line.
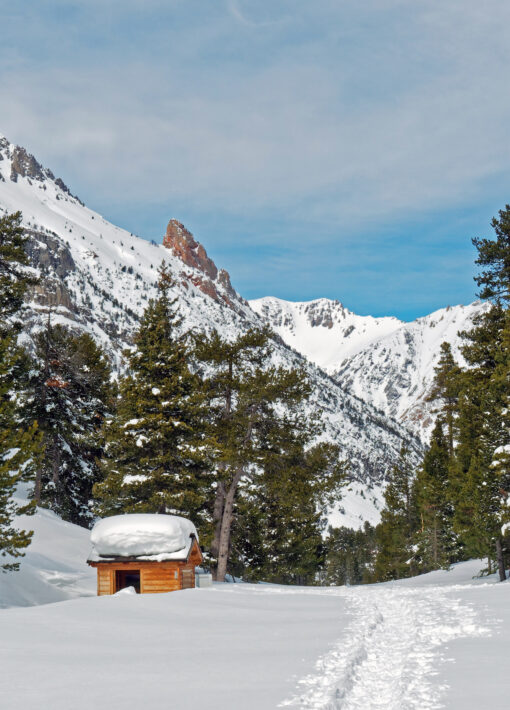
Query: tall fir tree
x=18, y=445
x=69, y=393
x=478, y=415
x=156, y=459
x=277, y=533
x=435, y=538
x=394, y=535
x=446, y=390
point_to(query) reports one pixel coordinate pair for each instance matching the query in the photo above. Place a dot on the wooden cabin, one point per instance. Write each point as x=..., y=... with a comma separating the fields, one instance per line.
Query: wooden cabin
x=152, y=553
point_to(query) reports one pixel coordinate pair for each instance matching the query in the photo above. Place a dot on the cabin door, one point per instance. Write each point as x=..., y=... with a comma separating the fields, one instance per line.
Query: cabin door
x=127, y=578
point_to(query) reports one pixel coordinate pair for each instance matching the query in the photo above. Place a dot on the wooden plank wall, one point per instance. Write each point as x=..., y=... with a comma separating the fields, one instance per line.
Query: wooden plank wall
x=188, y=576
x=157, y=579
x=105, y=581
x=154, y=578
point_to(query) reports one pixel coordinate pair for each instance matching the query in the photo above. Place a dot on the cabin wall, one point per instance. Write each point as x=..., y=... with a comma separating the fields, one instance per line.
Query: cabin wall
x=154, y=577
x=188, y=576
x=105, y=581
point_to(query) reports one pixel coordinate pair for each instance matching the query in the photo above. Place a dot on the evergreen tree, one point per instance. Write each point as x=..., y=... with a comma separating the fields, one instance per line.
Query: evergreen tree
x=446, y=389
x=277, y=533
x=478, y=410
x=494, y=257
x=394, y=534
x=350, y=555
x=257, y=421
x=435, y=537
x=18, y=445
x=15, y=276
x=156, y=459
x=69, y=391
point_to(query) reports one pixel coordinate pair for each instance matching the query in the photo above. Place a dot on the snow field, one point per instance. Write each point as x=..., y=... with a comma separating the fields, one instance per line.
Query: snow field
x=395, y=644
x=429, y=642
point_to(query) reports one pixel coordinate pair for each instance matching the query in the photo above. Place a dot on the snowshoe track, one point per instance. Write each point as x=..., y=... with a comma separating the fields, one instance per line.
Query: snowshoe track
x=389, y=653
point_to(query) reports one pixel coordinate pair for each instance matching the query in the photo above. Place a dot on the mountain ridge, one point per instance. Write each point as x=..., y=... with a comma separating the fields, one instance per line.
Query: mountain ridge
x=387, y=362
x=98, y=277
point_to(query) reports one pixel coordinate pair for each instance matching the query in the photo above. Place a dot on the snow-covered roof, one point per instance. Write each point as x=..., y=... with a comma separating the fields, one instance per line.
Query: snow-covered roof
x=145, y=536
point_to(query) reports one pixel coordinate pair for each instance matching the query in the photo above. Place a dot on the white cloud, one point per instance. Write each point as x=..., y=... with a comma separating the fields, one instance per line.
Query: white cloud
x=344, y=115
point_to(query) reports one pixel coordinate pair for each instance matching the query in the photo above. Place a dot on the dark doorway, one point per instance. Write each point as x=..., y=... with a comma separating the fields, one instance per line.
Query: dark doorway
x=127, y=578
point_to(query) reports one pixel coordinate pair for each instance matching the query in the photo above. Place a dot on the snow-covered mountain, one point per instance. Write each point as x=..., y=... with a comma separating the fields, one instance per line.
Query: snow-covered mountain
x=324, y=331
x=384, y=361
x=98, y=277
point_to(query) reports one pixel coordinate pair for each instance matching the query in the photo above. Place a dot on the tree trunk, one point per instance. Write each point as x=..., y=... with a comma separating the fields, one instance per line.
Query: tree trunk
x=219, y=504
x=37, y=485
x=226, y=525
x=500, y=559
x=434, y=544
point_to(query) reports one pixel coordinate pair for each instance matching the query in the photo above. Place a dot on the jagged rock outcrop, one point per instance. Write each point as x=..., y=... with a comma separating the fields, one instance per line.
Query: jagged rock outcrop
x=215, y=284
x=189, y=251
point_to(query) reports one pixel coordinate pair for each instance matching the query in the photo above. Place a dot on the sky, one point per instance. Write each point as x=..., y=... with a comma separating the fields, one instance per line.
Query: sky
x=317, y=149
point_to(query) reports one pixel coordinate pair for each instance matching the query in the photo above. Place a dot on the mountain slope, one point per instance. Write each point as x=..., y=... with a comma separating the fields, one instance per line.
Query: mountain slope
x=324, y=331
x=384, y=361
x=98, y=277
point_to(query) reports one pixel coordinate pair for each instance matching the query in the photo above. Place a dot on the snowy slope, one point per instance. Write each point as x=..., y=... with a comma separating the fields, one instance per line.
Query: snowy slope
x=384, y=361
x=324, y=331
x=433, y=641
x=54, y=568
x=396, y=372
x=98, y=277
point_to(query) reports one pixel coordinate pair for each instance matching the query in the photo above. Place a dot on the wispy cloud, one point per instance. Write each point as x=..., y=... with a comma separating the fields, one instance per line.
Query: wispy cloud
x=337, y=120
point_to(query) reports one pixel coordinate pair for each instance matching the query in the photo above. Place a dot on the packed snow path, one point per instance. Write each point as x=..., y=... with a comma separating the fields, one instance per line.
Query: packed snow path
x=389, y=655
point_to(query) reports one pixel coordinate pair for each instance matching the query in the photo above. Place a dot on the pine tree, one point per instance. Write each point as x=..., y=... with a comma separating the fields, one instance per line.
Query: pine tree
x=257, y=421
x=18, y=445
x=494, y=255
x=277, y=533
x=435, y=538
x=15, y=276
x=478, y=486
x=69, y=392
x=156, y=460
x=446, y=389
x=350, y=555
x=394, y=534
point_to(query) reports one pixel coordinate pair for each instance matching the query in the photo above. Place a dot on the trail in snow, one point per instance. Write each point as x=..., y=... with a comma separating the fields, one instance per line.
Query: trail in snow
x=389, y=655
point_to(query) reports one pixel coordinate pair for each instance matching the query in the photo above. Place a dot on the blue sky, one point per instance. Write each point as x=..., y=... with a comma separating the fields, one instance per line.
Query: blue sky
x=340, y=149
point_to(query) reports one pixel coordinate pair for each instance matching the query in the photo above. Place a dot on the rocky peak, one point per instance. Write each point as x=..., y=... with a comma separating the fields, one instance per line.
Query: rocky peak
x=211, y=281
x=191, y=252
x=25, y=165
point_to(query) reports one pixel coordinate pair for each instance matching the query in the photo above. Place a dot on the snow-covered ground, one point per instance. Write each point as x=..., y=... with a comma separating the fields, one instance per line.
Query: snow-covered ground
x=440, y=640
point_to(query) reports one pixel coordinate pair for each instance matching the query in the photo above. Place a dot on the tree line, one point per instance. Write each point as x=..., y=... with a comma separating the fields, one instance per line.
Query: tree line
x=199, y=426
x=456, y=505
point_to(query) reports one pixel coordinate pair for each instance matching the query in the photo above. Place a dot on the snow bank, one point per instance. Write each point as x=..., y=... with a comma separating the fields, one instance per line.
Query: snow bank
x=54, y=568
x=141, y=534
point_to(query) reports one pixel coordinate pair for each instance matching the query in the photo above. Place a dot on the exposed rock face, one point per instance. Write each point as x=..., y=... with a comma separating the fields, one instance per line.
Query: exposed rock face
x=215, y=284
x=191, y=252
x=26, y=165
x=46, y=251
x=55, y=263
x=23, y=164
